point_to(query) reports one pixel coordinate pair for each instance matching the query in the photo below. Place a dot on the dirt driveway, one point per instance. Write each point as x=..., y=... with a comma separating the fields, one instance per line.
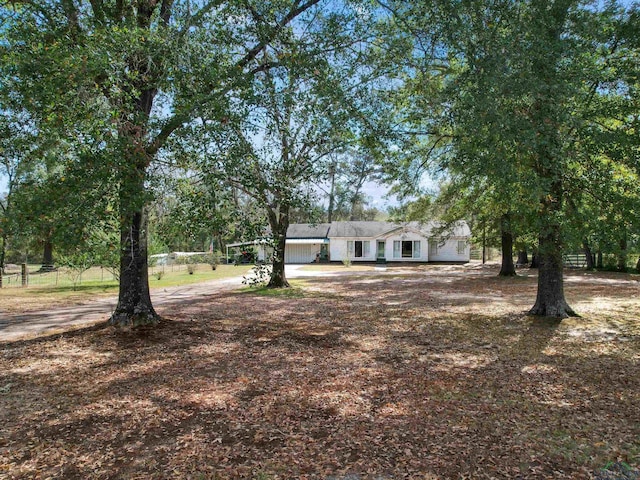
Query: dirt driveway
x=55, y=320
x=438, y=281
x=430, y=372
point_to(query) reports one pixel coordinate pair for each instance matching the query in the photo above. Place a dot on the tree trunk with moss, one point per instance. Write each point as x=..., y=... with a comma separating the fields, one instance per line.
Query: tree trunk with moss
x=134, y=307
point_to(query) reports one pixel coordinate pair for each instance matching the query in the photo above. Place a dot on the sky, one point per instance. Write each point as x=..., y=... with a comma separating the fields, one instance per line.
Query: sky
x=379, y=197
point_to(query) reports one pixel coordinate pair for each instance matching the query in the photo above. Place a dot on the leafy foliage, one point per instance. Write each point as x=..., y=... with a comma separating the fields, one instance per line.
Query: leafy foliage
x=505, y=93
x=121, y=84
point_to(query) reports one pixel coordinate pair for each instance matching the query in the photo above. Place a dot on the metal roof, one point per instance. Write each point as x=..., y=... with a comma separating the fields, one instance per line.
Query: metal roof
x=363, y=229
x=308, y=230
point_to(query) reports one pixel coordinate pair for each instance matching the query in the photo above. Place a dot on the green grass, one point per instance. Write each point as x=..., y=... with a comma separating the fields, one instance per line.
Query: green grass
x=202, y=273
x=63, y=292
x=97, y=277
x=295, y=291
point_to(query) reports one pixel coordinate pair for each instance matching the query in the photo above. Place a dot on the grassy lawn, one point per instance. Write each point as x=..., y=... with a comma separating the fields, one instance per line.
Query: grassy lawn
x=45, y=294
x=438, y=374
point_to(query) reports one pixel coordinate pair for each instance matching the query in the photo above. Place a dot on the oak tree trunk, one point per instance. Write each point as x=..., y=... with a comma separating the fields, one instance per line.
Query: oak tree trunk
x=550, y=300
x=547, y=115
x=47, y=256
x=588, y=254
x=484, y=243
x=279, y=226
x=507, y=268
x=134, y=301
x=332, y=192
x=599, y=260
x=3, y=249
x=134, y=307
x=523, y=258
x=622, y=255
x=535, y=259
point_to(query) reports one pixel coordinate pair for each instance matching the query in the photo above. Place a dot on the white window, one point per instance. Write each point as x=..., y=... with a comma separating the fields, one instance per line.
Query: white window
x=406, y=249
x=358, y=248
x=433, y=248
x=416, y=249
x=462, y=247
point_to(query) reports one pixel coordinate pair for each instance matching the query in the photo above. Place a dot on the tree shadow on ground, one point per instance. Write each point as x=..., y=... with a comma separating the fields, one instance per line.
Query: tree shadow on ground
x=239, y=386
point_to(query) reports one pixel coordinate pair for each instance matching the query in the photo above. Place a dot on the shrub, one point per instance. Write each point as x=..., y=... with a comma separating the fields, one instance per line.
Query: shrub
x=213, y=259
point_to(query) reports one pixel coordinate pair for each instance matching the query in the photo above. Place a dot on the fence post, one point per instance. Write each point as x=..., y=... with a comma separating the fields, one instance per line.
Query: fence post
x=25, y=275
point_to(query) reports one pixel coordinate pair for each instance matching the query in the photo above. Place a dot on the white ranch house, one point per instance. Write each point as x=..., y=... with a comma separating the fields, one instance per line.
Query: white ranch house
x=375, y=242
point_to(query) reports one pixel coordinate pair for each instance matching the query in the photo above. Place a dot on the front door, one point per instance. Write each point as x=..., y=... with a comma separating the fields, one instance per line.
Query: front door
x=380, y=249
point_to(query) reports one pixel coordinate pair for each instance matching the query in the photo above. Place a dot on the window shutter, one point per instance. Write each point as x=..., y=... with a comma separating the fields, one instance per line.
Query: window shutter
x=351, y=248
x=365, y=248
x=396, y=249
x=416, y=249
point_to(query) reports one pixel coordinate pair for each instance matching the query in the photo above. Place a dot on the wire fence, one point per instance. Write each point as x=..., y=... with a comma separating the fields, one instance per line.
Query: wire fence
x=32, y=276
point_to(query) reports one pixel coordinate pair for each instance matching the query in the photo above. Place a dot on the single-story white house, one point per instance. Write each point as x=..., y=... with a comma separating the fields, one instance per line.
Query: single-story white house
x=376, y=241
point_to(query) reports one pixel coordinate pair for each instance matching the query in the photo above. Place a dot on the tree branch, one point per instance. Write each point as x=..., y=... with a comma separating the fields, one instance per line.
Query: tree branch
x=180, y=119
x=98, y=10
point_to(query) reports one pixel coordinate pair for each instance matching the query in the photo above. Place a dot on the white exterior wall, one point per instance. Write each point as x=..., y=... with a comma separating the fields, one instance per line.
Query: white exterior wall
x=338, y=249
x=408, y=236
x=446, y=253
x=301, y=253
x=449, y=251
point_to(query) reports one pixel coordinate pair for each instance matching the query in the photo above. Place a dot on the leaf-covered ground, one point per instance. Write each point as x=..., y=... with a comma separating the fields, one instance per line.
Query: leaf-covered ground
x=429, y=372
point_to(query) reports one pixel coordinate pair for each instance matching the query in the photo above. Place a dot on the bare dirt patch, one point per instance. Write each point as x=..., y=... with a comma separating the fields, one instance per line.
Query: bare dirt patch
x=428, y=372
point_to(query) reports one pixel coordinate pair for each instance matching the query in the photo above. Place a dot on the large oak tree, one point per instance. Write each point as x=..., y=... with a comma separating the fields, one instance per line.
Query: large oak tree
x=511, y=87
x=120, y=80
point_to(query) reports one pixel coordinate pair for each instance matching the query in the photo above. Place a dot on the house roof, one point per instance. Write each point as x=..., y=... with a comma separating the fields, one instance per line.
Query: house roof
x=372, y=229
x=308, y=230
x=362, y=229
x=437, y=229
